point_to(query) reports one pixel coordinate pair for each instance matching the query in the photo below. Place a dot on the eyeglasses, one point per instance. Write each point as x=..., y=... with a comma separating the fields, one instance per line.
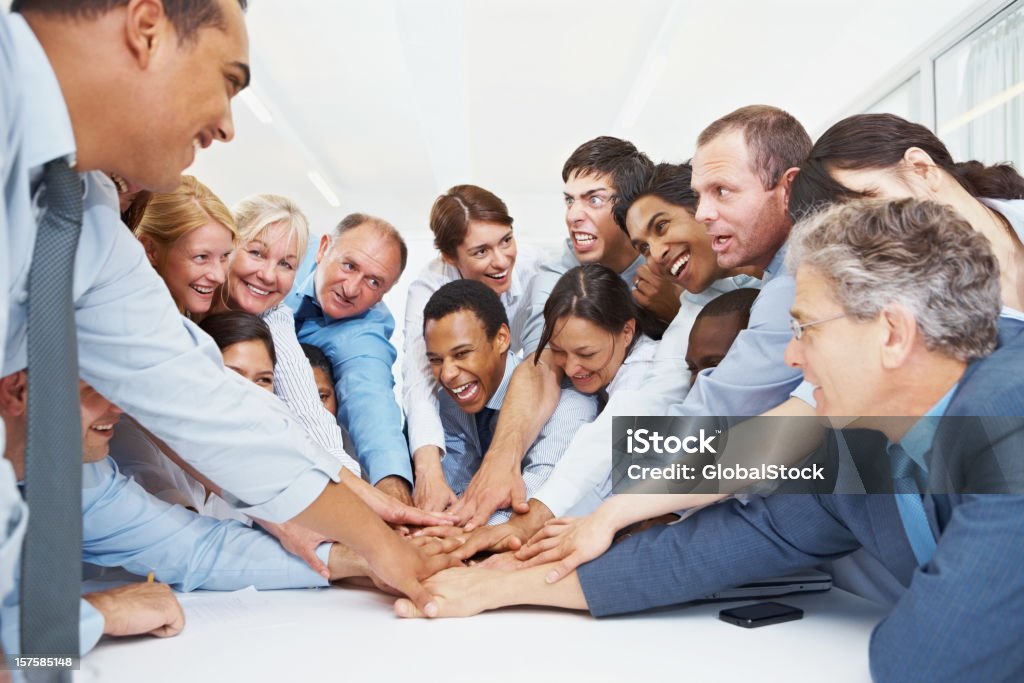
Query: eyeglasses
x=798, y=329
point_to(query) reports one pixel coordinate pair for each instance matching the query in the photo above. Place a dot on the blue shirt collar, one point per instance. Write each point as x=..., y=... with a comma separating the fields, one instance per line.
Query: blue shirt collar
x=777, y=266
x=918, y=439
x=48, y=133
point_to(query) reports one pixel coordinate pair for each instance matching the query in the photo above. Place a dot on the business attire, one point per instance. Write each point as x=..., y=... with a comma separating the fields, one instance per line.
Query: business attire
x=753, y=377
x=530, y=317
x=295, y=385
x=361, y=354
x=467, y=437
x=958, y=618
x=123, y=526
x=419, y=389
x=582, y=480
x=134, y=346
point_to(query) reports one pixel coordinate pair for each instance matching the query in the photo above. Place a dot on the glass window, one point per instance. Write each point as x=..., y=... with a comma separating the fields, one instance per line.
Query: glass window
x=903, y=101
x=978, y=87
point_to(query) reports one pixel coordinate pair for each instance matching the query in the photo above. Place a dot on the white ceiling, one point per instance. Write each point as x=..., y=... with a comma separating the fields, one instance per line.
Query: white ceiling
x=393, y=101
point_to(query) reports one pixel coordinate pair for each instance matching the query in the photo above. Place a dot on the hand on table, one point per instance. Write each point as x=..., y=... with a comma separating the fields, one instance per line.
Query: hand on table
x=458, y=592
x=392, y=510
x=568, y=542
x=497, y=484
x=138, y=608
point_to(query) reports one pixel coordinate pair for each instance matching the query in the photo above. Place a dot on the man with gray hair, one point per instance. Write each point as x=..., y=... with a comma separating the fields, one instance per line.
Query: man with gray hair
x=895, y=314
x=337, y=299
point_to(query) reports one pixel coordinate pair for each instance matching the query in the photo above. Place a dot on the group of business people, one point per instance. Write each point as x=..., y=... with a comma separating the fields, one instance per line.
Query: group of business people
x=865, y=275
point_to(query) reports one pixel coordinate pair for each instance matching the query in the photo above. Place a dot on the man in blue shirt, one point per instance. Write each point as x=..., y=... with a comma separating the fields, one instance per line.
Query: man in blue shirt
x=123, y=525
x=136, y=89
x=743, y=167
x=895, y=319
x=337, y=304
x=467, y=339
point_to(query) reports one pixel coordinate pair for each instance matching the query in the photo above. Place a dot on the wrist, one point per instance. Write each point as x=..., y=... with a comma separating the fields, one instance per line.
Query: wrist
x=426, y=460
x=613, y=513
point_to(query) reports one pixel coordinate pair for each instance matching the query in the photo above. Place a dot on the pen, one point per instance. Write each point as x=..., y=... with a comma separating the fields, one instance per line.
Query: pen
x=149, y=577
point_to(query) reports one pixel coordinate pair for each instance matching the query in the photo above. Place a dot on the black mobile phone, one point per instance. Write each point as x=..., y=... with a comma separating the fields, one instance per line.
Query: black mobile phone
x=761, y=614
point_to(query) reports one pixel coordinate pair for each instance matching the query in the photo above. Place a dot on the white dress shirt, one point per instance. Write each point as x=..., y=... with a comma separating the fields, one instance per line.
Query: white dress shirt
x=419, y=390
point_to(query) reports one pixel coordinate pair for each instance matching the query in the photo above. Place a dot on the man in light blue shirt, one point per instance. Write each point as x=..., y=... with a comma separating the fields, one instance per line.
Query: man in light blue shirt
x=337, y=300
x=124, y=526
x=134, y=345
x=467, y=339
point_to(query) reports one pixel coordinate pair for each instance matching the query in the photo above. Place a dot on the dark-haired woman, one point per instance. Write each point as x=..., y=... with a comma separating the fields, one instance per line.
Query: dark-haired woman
x=473, y=233
x=882, y=155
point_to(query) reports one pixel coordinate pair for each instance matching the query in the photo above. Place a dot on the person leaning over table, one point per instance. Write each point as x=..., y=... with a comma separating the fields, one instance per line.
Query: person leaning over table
x=124, y=526
x=64, y=69
x=896, y=314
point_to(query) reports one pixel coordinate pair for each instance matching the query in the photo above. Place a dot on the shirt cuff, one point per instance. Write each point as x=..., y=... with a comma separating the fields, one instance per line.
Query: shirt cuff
x=90, y=627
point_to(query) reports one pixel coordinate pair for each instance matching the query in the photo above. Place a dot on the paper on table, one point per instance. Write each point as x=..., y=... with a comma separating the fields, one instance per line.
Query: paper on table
x=216, y=608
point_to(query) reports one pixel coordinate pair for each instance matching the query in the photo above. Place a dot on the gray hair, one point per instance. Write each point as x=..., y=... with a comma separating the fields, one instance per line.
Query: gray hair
x=354, y=220
x=255, y=214
x=920, y=254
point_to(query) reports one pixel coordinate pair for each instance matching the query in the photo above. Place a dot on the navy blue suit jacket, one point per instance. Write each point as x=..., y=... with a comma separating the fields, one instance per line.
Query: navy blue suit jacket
x=961, y=615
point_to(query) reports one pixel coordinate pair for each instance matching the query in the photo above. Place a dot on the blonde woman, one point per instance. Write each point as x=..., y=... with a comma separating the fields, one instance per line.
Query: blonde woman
x=188, y=235
x=272, y=237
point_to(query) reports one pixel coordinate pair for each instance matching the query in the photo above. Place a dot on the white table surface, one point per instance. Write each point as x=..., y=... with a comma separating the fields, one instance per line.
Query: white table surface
x=350, y=634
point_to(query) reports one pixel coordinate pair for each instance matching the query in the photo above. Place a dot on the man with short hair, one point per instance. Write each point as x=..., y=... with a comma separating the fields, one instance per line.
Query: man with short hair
x=134, y=88
x=593, y=176
x=467, y=340
x=895, y=320
x=742, y=171
x=123, y=525
x=337, y=300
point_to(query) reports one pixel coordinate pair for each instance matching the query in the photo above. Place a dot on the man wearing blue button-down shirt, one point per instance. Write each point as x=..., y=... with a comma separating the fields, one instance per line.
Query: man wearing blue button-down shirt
x=123, y=525
x=337, y=303
x=135, y=88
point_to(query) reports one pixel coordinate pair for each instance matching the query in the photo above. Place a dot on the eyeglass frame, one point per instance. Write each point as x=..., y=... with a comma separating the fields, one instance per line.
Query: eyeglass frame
x=798, y=328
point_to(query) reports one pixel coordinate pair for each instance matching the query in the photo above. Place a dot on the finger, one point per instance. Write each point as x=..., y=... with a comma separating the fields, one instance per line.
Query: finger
x=439, y=531
x=519, y=503
x=416, y=517
x=548, y=543
x=405, y=609
x=562, y=569
x=545, y=557
x=315, y=563
x=508, y=544
x=421, y=598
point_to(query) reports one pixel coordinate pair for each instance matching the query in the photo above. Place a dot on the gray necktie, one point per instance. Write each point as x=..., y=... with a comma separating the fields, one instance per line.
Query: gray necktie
x=52, y=554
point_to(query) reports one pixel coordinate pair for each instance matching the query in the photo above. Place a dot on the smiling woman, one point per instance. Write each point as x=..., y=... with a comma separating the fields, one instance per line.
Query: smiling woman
x=473, y=233
x=188, y=235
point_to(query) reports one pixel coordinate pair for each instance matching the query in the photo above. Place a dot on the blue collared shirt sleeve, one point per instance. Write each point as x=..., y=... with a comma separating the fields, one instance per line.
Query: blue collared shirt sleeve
x=362, y=356
x=123, y=526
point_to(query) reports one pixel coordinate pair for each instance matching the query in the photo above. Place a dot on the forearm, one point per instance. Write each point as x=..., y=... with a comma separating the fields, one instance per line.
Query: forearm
x=529, y=587
x=345, y=564
x=339, y=514
x=620, y=511
x=530, y=401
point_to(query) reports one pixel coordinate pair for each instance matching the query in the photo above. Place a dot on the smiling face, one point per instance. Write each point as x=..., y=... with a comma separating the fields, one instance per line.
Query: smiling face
x=487, y=255
x=262, y=270
x=467, y=364
x=98, y=419
x=592, y=230
x=747, y=223
x=355, y=272
x=589, y=355
x=185, y=90
x=839, y=357
x=251, y=360
x=193, y=266
x=675, y=245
